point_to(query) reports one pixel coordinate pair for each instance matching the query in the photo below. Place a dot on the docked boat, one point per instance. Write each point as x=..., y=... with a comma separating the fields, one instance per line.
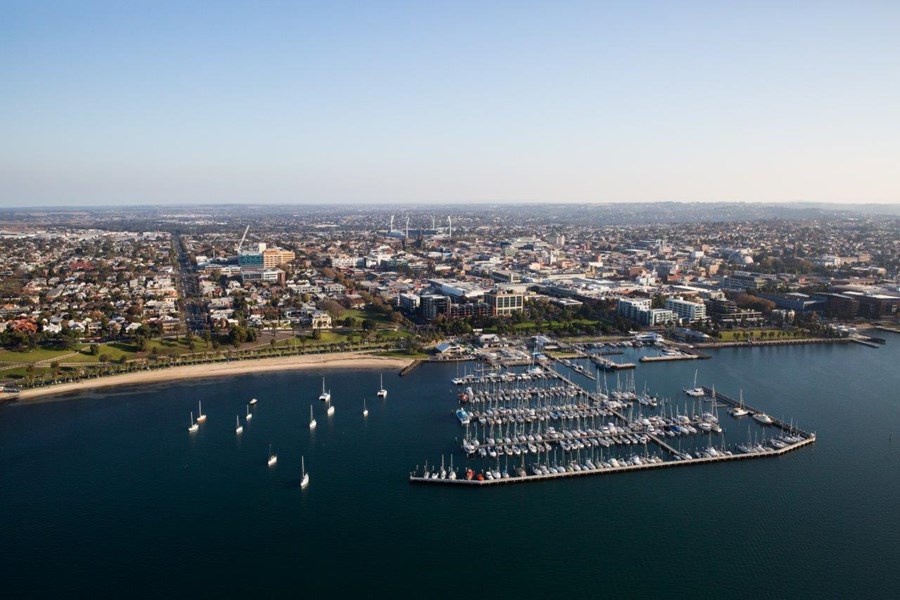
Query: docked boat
x=304, y=476
x=200, y=416
x=312, y=418
x=238, y=427
x=740, y=411
x=463, y=416
x=695, y=391
x=325, y=396
x=193, y=426
x=763, y=418
x=382, y=393
x=273, y=458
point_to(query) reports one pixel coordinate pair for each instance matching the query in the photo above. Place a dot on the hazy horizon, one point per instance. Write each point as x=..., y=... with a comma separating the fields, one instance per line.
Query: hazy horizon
x=339, y=103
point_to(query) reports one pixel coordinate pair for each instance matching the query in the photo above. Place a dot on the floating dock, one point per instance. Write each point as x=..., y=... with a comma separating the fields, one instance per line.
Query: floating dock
x=668, y=357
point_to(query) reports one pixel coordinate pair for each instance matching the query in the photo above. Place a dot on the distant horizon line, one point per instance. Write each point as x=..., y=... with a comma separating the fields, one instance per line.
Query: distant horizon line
x=450, y=203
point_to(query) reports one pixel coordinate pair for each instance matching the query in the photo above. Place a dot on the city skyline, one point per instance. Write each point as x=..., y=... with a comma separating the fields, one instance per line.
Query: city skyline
x=448, y=103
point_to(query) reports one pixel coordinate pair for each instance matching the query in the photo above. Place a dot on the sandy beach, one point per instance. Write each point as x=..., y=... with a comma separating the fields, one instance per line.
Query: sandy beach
x=342, y=360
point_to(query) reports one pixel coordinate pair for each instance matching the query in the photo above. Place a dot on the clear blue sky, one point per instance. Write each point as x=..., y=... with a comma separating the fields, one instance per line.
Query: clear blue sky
x=430, y=101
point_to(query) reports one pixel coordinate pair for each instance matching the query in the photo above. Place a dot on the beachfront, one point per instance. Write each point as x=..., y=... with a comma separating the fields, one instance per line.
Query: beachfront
x=337, y=360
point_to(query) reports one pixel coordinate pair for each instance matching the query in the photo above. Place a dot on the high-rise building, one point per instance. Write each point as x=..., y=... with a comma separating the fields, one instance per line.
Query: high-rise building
x=273, y=257
x=503, y=303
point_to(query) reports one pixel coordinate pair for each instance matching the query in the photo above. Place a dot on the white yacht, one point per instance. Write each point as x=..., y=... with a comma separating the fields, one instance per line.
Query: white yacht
x=200, y=416
x=695, y=391
x=193, y=427
x=252, y=401
x=238, y=427
x=273, y=458
x=763, y=418
x=382, y=393
x=304, y=476
x=324, y=396
x=740, y=411
x=312, y=419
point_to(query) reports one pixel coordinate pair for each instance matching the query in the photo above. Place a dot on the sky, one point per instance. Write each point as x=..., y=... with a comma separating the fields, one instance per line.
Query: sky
x=461, y=101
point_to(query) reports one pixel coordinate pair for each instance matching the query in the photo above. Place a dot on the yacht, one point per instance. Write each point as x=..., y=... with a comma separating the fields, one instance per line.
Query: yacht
x=193, y=427
x=312, y=419
x=463, y=416
x=382, y=393
x=273, y=458
x=200, y=416
x=763, y=418
x=252, y=401
x=324, y=396
x=695, y=391
x=238, y=427
x=304, y=476
x=740, y=411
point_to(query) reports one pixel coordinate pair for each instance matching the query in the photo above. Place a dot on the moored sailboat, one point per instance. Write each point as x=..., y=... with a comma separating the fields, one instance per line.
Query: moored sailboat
x=312, y=419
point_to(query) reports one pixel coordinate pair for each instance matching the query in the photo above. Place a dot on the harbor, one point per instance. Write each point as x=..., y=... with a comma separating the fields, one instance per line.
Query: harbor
x=540, y=425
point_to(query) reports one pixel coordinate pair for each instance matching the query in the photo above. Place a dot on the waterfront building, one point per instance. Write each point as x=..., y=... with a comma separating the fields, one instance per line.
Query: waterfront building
x=727, y=312
x=686, y=310
x=433, y=305
x=504, y=302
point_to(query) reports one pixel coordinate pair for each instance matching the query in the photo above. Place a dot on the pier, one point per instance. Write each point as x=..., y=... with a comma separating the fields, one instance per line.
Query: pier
x=528, y=478
x=668, y=357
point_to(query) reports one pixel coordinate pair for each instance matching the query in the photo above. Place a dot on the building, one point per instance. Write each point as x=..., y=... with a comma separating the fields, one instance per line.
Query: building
x=266, y=275
x=686, y=310
x=727, y=312
x=408, y=302
x=794, y=301
x=657, y=316
x=469, y=310
x=251, y=259
x=842, y=306
x=630, y=308
x=877, y=306
x=742, y=281
x=433, y=305
x=503, y=303
x=319, y=319
x=273, y=257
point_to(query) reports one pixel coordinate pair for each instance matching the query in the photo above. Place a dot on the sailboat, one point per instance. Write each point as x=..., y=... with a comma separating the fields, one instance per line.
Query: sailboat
x=330, y=410
x=304, y=476
x=249, y=414
x=273, y=458
x=312, y=419
x=324, y=396
x=740, y=411
x=382, y=393
x=695, y=391
x=200, y=416
x=365, y=410
x=194, y=427
x=238, y=427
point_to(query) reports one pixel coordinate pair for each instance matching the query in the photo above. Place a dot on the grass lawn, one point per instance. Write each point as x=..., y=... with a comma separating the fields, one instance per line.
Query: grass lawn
x=364, y=314
x=32, y=356
x=413, y=355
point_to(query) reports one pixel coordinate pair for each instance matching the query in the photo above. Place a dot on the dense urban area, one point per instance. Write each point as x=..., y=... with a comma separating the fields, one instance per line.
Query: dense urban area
x=97, y=291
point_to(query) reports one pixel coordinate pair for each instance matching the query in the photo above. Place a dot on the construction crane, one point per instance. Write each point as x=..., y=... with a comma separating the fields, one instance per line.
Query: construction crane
x=243, y=237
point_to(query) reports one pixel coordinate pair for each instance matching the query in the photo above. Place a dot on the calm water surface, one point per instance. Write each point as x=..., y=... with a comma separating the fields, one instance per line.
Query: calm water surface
x=109, y=494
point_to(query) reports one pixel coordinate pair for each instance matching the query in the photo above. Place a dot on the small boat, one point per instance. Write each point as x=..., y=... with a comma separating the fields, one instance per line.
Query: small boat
x=312, y=419
x=695, y=391
x=200, y=416
x=249, y=414
x=252, y=401
x=740, y=411
x=304, y=476
x=365, y=410
x=238, y=427
x=273, y=458
x=324, y=396
x=382, y=393
x=763, y=418
x=463, y=416
x=193, y=427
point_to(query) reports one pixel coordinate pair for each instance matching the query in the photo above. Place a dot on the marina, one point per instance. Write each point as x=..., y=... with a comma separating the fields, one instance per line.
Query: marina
x=537, y=412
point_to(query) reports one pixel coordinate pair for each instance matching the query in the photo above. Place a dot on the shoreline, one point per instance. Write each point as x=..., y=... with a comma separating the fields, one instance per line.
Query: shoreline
x=338, y=360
